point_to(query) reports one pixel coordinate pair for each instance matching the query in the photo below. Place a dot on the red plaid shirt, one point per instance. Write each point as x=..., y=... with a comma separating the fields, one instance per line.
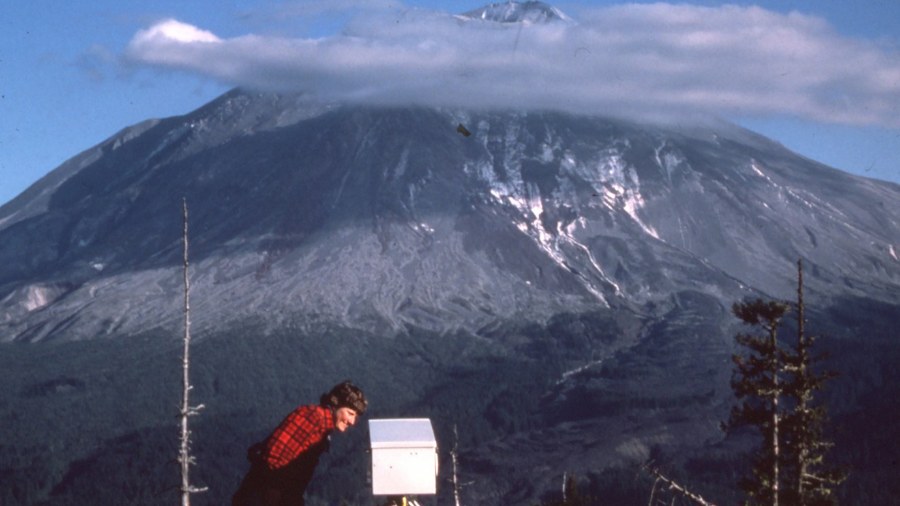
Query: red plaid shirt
x=304, y=427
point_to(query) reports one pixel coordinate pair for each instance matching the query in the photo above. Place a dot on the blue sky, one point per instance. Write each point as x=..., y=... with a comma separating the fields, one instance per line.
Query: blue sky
x=820, y=76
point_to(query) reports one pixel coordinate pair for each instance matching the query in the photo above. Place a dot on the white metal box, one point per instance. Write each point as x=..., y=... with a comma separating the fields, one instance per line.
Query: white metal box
x=404, y=456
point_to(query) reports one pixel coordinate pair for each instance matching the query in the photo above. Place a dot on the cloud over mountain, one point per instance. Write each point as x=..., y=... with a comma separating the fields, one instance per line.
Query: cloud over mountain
x=647, y=60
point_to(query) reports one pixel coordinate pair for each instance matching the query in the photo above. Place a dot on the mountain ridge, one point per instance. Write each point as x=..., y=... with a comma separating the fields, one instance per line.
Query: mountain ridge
x=567, y=201
x=557, y=285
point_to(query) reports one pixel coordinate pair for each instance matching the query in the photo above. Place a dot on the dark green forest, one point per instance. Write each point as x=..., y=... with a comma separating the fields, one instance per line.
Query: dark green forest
x=98, y=419
x=95, y=422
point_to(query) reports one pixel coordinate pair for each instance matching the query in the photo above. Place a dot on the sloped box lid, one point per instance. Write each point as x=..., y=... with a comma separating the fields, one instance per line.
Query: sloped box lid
x=401, y=433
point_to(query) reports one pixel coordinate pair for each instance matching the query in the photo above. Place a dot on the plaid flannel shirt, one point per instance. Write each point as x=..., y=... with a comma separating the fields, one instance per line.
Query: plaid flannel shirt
x=304, y=427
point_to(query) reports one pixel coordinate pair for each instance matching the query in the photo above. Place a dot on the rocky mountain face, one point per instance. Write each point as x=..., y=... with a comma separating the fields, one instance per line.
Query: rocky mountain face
x=517, y=12
x=575, y=273
x=383, y=218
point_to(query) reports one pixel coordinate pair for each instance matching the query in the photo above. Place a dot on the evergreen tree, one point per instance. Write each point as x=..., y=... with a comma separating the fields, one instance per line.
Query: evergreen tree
x=776, y=387
x=756, y=384
x=813, y=482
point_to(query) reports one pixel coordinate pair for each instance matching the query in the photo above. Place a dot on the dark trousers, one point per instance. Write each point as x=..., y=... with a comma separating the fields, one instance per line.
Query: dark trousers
x=278, y=487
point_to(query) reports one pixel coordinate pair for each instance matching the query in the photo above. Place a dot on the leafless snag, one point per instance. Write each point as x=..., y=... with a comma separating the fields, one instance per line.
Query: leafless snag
x=455, y=474
x=184, y=456
x=673, y=486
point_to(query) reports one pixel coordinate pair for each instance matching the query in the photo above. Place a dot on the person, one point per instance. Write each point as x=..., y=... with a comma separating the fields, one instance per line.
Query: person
x=283, y=464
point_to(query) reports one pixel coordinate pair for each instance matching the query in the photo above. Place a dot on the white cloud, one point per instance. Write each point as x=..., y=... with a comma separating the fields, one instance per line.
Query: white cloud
x=172, y=31
x=654, y=60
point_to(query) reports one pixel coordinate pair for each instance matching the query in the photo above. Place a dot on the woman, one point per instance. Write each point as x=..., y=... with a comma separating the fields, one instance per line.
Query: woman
x=283, y=464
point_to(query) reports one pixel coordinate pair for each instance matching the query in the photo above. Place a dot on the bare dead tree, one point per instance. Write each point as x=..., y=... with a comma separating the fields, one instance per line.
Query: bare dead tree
x=776, y=448
x=184, y=456
x=673, y=486
x=653, y=492
x=455, y=473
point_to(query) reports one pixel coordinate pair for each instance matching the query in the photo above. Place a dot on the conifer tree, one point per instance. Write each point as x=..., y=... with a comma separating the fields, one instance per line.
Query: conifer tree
x=776, y=386
x=756, y=384
x=813, y=481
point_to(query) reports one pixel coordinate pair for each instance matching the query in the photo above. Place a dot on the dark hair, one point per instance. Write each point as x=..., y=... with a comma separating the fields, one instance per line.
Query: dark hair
x=345, y=395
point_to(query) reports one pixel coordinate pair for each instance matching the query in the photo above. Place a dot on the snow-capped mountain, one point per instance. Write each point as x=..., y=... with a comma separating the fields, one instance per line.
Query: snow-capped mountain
x=390, y=217
x=575, y=271
x=518, y=12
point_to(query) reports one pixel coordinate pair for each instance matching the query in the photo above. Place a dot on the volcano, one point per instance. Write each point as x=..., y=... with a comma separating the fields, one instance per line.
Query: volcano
x=556, y=286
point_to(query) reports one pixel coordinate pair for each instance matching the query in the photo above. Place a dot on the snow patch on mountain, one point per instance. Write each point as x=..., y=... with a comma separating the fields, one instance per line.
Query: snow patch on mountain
x=620, y=188
x=530, y=12
x=571, y=372
x=37, y=297
x=785, y=192
x=527, y=199
x=667, y=160
x=29, y=299
x=760, y=173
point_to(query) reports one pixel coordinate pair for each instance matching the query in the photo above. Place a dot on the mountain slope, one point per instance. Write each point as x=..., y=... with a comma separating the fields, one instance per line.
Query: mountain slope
x=557, y=285
x=517, y=12
x=349, y=212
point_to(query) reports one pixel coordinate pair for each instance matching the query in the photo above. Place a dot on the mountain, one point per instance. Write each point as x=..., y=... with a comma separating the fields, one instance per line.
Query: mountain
x=557, y=286
x=517, y=12
x=383, y=218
